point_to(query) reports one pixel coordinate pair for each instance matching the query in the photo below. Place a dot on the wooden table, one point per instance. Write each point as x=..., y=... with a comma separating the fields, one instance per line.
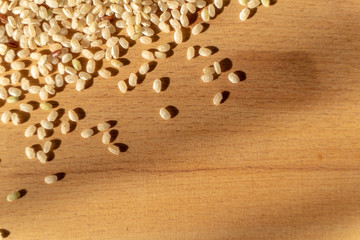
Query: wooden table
x=279, y=159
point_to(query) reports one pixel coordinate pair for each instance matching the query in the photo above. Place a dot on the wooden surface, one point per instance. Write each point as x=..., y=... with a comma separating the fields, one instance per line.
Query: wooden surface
x=279, y=159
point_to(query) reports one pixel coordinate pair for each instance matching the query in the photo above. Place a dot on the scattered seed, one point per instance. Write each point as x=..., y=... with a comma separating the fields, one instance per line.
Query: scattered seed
x=157, y=85
x=243, y=2
x=144, y=68
x=165, y=114
x=164, y=47
x=12, y=99
x=103, y=126
x=205, y=52
x=46, y=124
x=45, y=106
x=30, y=152
x=51, y=179
x=233, y=78
x=65, y=127
x=178, y=36
x=122, y=86
x=47, y=146
x=114, y=149
x=6, y=116
x=87, y=133
x=41, y=156
x=207, y=78
x=266, y=3
x=190, y=53
x=197, y=29
x=73, y=116
x=25, y=107
x=253, y=4
x=15, y=119
x=217, y=98
x=13, y=196
x=106, y=138
x=30, y=131
x=52, y=116
x=104, y=73
x=244, y=14
x=209, y=70
x=160, y=55
x=133, y=79
x=217, y=67
x=116, y=63
x=41, y=133
x=147, y=55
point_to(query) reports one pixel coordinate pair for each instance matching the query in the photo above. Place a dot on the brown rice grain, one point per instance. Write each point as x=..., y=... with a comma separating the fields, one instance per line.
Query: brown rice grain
x=41, y=156
x=6, y=116
x=30, y=153
x=51, y=179
x=217, y=98
x=114, y=149
x=233, y=78
x=190, y=53
x=207, y=78
x=65, y=127
x=122, y=86
x=106, y=138
x=157, y=85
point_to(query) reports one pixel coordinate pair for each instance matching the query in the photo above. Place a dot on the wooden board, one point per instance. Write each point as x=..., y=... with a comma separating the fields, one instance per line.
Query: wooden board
x=279, y=159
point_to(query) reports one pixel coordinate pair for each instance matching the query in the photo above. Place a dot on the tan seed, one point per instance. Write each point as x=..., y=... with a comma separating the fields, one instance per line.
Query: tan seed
x=165, y=114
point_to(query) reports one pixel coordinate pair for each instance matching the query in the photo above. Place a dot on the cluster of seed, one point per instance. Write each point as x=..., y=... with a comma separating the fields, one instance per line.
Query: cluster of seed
x=106, y=138
x=249, y=5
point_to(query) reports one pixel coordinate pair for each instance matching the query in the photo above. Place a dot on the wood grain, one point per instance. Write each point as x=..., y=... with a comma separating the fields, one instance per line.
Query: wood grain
x=279, y=159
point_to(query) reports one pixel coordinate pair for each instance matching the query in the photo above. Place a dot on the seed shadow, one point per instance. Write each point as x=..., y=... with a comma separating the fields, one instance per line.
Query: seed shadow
x=55, y=144
x=124, y=61
x=53, y=103
x=2, y=102
x=4, y=233
x=205, y=27
x=225, y=95
x=155, y=38
x=186, y=34
x=112, y=123
x=165, y=82
x=241, y=75
x=49, y=132
x=27, y=63
x=60, y=175
x=36, y=147
x=225, y=64
x=61, y=113
x=95, y=130
x=173, y=45
x=226, y=3
x=172, y=110
x=114, y=134
x=273, y=2
x=252, y=13
x=34, y=104
x=213, y=49
x=122, y=146
x=98, y=66
x=50, y=156
x=72, y=126
x=152, y=66
x=140, y=79
x=169, y=53
x=192, y=18
x=113, y=71
x=80, y=112
x=196, y=47
x=22, y=192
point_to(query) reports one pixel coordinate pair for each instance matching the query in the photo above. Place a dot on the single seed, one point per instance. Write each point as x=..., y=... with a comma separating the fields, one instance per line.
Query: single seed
x=211, y=10
x=76, y=64
x=47, y=146
x=87, y=133
x=15, y=119
x=144, y=68
x=4, y=81
x=41, y=156
x=30, y=152
x=103, y=126
x=266, y=3
x=207, y=78
x=160, y=55
x=145, y=40
x=244, y=14
x=253, y=4
x=73, y=116
x=13, y=196
x=190, y=53
x=133, y=79
x=3, y=93
x=52, y=116
x=106, y=138
x=164, y=47
x=217, y=98
x=205, y=15
x=25, y=107
x=217, y=67
x=30, y=131
x=17, y=65
x=65, y=127
x=116, y=63
x=46, y=124
x=178, y=36
x=114, y=149
x=205, y=52
x=14, y=92
x=165, y=114
x=104, y=73
x=122, y=86
x=6, y=116
x=41, y=133
x=51, y=179
x=12, y=99
x=43, y=94
x=233, y=78
x=218, y=3
x=84, y=76
x=197, y=29
x=208, y=70
x=99, y=55
x=157, y=85
x=45, y=106
x=243, y=2
x=147, y=55
x=90, y=66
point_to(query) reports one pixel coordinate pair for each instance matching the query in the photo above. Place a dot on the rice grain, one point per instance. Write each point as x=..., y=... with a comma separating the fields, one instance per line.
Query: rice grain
x=157, y=85
x=218, y=98
x=190, y=53
x=47, y=146
x=41, y=156
x=25, y=107
x=51, y=179
x=87, y=133
x=114, y=149
x=217, y=67
x=106, y=138
x=122, y=86
x=165, y=114
x=234, y=78
x=30, y=153
x=65, y=127
x=103, y=126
